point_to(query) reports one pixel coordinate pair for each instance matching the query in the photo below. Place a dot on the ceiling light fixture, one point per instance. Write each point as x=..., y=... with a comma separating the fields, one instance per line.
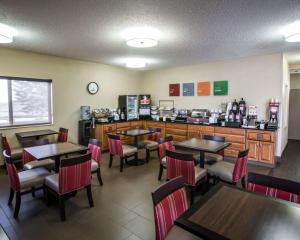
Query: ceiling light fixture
x=291, y=32
x=136, y=63
x=6, y=34
x=142, y=42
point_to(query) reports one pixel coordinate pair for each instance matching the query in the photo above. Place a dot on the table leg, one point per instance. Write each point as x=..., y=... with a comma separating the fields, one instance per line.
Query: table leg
x=136, y=161
x=57, y=161
x=202, y=159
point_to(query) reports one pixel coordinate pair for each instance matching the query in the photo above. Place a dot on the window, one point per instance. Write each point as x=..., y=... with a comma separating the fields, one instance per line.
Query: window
x=25, y=101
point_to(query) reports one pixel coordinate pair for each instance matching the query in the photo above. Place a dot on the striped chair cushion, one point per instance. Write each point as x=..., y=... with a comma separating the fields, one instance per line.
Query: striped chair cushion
x=185, y=168
x=74, y=177
x=62, y=137
x=240, y=169
x=154, y=136
x=115, y=147
x=273, y=192
x=168, y=210
x=13, y=177
x=96, y=153
x=165, y=146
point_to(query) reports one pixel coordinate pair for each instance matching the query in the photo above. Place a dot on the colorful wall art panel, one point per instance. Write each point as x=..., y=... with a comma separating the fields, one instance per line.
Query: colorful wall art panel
x=203, y=89
x=174, y=90
x=188, y=89
x=221, y=88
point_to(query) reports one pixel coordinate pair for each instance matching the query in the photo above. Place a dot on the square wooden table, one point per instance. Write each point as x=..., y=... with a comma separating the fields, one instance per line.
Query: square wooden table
x=25, y=136
x=228, y=212
x=55, y=150
x=202, y=146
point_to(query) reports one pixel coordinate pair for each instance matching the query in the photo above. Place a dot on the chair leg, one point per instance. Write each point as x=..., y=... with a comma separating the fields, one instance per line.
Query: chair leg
x=244, y=182
x=18, y=204
x=136, y=156
x=90, y=196
x=161, y=169
x=192, y=195
x=11, y=196
x=110, y=159
x=33, y=192
x=121, y=164
x=99, y=176
x=147, y=155
x=207, y=181
x=214, y=180
x=126, y=159
x=62, y=208
x=46, y=195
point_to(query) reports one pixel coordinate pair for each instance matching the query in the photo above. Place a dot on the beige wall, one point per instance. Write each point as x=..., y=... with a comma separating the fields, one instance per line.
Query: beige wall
x=70, y=78
x=295, y=81
x=257, y=79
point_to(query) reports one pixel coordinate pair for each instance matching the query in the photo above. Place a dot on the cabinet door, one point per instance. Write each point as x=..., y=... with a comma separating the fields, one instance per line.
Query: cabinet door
x=254, y=150
x=267, y=152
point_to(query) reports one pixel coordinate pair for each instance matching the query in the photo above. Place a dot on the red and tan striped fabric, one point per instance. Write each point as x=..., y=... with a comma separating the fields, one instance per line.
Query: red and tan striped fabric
x=168, y=210
x=74, y=177
x=240, y=169
x=26, y=157
x=273, y=192
x=96, y=152
x=62, y=137
x=165, y=146
x=185, y=168
x=13, y=176
x=154, y=136
x=115, y=147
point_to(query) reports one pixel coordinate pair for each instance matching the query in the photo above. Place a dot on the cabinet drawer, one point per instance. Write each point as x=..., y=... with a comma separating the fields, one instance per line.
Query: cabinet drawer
x=177, y=138
x=207, y=129
x=170, y=131
x=231, y=131
x=155, y=124
x=177, y=126
x=193, y=134
x=137, y=124
x=260, y=136
x=109, y=128
x=231, y=152
x=232, y=138
x=237, y=146
x=194, y=127
x=123, y=125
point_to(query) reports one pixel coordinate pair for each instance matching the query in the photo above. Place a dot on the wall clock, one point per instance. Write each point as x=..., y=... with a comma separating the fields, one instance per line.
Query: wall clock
x=92, y=88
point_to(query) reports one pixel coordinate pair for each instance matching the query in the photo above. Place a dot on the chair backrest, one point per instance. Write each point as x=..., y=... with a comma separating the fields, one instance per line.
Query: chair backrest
x=240, y=166
x=274, y=187
x=169, y=202
x=181, y=164
x=214, y=138
x=164, y=144
x=62, y=135
x=74, y=173
x=26, y=157
x=115, y=144
x=155, y=135
x=95, y=150
x=12, y=172
x=5, y=145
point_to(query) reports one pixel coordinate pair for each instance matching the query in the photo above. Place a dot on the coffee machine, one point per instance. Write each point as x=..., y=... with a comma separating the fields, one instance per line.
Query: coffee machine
x=273, y=115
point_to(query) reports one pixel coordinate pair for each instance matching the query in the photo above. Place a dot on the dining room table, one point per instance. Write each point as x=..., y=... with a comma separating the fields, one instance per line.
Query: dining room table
x=55, y=151
x=34, y=135
x=229, y=212
x=202, y=146
x=135, y=133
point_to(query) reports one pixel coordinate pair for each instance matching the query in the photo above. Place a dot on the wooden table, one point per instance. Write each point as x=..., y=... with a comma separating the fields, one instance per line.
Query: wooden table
x=55, y=150
x=202, y=146
x=227, y=212
x=135, y=133
x=25, y=136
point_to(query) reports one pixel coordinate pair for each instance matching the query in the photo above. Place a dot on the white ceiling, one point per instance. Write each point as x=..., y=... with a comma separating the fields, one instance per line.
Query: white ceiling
x=192, y=31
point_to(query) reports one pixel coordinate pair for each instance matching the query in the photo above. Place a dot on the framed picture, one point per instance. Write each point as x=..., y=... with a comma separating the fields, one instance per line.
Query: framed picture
x=203, y=89
x=221, y=88
x=188, y=89
x=174, y=90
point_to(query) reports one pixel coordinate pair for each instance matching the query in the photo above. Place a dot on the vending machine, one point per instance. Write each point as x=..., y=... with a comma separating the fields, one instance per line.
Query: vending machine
x=129, y=106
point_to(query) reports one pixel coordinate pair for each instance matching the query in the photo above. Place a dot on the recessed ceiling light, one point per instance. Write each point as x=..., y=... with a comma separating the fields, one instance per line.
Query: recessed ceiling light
x=136, y=63
x=291, y=32
x=6, y=34
x=142, y=42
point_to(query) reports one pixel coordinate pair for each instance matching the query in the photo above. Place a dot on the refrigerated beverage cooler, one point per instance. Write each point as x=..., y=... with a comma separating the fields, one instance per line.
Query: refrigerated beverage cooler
x=129, y=105
x=145, y=106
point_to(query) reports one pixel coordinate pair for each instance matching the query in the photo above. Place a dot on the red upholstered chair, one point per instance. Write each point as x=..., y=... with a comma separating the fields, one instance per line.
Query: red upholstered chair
x=29, y=162
x=23, y=182
x=116, y=148
x=15, y=153
x=62, y=135
x=95, y=150
x=183, y=164
x=229, y=172
x=151, y=144
x=274, y=187
x=74, y=174
x=169, y=202
x=164, y=144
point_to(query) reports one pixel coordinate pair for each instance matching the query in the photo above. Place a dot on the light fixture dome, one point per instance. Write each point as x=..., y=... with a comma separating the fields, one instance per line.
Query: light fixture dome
x=136, y=63
x=142, y=42
x=6, y=34
x=291, y=32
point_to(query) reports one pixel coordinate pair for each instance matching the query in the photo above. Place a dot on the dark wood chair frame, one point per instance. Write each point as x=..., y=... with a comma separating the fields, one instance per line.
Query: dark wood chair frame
x=161, y=166
x=148, y=151
x=8, y=160
x=62, y=198
x=111, y=156
x=98, y=171
x=186, y=157
x=216, y=179
x=3, y=140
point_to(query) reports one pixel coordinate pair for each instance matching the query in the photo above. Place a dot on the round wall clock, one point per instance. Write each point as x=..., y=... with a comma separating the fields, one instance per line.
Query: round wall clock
x=92, y=88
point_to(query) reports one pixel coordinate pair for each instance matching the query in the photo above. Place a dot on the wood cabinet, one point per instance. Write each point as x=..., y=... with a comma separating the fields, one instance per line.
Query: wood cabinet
x=177, y=130
x=198, y=131
x=154, y=124
x=253, y=147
